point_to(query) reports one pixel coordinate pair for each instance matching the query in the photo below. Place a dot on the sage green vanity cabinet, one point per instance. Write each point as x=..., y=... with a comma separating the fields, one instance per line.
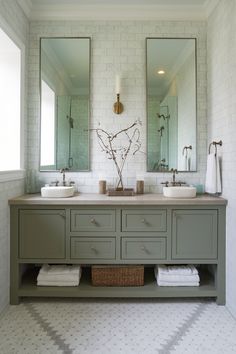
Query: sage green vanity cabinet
x=194, y=234
x=42, y=234
x=97, y=229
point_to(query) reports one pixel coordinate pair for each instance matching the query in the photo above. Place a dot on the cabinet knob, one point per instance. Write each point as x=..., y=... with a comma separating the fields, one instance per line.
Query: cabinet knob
x=144, y=249
x=93, y=249
x=93, y=221
x=143, y=221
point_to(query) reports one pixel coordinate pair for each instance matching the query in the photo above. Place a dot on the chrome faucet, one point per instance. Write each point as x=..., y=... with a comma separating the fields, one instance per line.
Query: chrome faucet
x=63, y=171
x=174, y=171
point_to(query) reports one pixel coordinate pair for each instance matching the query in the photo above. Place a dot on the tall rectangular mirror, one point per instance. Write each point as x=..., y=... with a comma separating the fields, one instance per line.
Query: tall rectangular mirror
x=171, y=104
x=65, y=96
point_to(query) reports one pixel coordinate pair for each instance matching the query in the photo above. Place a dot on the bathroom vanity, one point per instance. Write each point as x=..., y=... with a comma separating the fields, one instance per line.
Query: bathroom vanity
x=96, y=229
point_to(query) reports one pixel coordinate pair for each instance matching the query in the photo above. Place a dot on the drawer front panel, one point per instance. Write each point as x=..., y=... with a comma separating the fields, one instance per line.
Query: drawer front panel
x=93, y=248
x=144, y=220
x=92, y=220
x=194, y=234
x=143, y=248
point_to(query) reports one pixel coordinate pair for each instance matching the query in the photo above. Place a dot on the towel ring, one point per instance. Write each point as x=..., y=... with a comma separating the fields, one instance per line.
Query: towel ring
x=215, y=143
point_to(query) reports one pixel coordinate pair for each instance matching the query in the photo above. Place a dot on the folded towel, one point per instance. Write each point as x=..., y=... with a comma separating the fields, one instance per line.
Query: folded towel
x=60, y=269
x=176, y=277
x=57, y=283
x=166, y=283
x=213, y=181
x=58, y=277
x=177, y=270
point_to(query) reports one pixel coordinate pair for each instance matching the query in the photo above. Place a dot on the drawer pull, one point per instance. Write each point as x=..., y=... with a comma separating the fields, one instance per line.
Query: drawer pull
x=94, y=250
x=63, y=215
x=143, y=248
x=93, y=221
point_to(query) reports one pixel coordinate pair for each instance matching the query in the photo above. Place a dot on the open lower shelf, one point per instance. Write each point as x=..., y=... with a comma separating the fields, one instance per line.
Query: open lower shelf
x=29, y=288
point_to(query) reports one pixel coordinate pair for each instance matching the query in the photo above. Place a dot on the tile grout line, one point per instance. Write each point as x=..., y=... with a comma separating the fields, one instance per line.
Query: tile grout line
x=52, y=334
x=177, y=336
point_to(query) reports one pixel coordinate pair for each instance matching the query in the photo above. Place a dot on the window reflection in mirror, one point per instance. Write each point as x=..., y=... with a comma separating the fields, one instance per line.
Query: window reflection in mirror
x=171, y=104
x=65, y=95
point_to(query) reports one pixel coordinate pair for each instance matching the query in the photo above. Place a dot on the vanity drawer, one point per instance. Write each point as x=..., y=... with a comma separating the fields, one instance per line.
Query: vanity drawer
x=143, y=248
x=93, y=248
x=144, y=220
x=92, y=220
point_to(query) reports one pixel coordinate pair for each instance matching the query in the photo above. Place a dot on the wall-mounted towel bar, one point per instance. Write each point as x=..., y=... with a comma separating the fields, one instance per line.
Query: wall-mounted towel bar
x=215, y=143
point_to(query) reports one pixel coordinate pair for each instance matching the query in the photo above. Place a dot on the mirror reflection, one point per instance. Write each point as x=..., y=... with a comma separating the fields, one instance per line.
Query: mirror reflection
x=65, y=90
x=171, y=104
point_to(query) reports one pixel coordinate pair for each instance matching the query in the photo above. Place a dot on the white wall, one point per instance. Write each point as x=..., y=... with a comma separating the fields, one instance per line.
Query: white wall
x=117, y=47
x=221, y=49
x=12, y=19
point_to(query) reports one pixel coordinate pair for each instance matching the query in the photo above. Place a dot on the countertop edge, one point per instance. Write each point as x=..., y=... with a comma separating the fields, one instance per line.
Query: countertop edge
x=96, y=199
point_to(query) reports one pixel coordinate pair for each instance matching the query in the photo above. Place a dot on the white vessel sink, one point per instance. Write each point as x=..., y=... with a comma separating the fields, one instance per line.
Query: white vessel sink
x=179, y=192
x=57, y=192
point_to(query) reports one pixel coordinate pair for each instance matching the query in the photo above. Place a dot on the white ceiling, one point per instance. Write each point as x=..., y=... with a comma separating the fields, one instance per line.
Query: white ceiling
x=117, y=9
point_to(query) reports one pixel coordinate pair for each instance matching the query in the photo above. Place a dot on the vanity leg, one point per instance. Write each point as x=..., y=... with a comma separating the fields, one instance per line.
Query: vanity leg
x=220, y=275
x=14, y=266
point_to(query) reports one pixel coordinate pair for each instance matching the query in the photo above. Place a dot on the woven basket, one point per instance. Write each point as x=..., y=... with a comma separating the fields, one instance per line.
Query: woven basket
x=117, y=275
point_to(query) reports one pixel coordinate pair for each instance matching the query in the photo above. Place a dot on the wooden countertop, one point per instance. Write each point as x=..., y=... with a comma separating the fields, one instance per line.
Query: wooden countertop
x=100, y=199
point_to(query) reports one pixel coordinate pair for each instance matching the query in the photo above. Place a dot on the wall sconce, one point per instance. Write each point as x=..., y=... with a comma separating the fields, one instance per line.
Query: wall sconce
x=118, y=106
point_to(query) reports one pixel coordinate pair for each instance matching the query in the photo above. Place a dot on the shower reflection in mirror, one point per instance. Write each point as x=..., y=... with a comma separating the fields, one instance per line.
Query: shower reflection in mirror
x=171, y=104
x=65, y=84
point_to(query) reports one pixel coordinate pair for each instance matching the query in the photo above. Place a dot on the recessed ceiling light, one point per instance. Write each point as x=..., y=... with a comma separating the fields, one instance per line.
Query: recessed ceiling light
x=161, y=72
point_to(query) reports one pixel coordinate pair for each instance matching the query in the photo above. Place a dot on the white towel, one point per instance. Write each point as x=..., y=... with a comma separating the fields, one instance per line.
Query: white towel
x=213, y=181
x=58, y=277
x=183, y=283
x=177, y=278
x=59, y=269
x=177, y=270
x=57, y=283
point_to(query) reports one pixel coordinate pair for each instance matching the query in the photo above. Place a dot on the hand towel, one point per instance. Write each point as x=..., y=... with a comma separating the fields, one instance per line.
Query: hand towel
x=177, y=270
x=213, y=180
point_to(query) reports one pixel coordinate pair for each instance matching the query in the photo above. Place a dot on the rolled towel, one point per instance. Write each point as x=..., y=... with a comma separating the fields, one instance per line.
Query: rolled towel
x=177, y=270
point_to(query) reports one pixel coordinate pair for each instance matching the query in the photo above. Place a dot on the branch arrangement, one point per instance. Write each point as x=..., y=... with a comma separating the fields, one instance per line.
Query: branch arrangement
x=119, y=154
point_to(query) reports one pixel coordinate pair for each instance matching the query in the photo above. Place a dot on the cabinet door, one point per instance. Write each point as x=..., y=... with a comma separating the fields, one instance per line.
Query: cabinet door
x=42, y=234
x=194, y=234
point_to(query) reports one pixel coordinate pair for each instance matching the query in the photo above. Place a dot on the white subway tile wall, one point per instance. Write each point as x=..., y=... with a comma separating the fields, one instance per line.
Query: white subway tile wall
x=117, y=47
x=221, y=50
x=11, y=14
